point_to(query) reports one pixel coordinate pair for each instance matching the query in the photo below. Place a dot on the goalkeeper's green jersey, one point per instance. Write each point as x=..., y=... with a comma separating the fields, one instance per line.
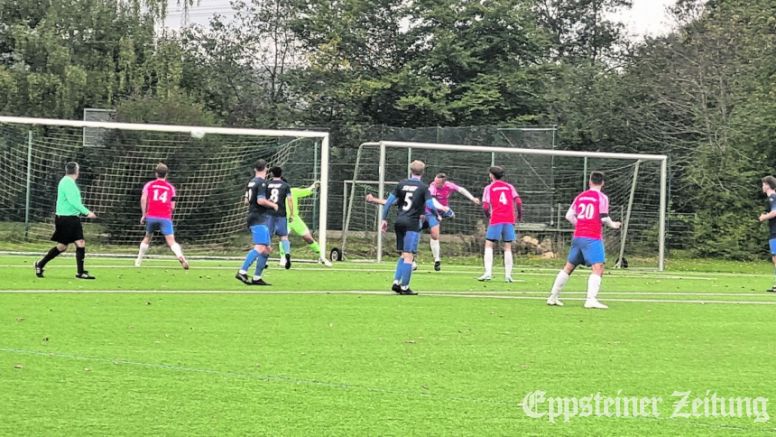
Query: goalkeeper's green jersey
x=69, y=198
x=296, y=194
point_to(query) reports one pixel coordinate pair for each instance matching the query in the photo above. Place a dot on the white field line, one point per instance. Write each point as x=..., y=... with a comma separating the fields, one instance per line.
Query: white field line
x=467, y=295
x=471, y=272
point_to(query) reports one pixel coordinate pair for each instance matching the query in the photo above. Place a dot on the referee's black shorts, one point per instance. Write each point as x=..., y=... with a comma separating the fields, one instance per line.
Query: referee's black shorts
x=67, y=229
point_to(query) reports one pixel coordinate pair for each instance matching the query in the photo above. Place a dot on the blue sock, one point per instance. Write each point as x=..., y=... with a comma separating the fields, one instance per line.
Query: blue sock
x=399, y=264
x=286, y=245
x=249, y=259
x=406, y=274
x=261, y=262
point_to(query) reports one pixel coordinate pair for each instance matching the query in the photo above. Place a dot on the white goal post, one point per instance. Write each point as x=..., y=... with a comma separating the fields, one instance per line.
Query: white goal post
x=320, y=139
x=661, y=160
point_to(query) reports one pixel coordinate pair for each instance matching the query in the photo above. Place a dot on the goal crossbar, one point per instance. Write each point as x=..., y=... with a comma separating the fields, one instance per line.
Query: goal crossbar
x=322, y=136
x=662, y=159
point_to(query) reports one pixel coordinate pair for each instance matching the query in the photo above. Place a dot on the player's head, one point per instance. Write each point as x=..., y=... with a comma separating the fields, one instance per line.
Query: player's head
x=769, y=184
x=417, y=168
x=440, y=179
x=72, y=169
x=161, y=171
x=496, y=172
x=276, y=172
x=597, y=179
x=260, y=166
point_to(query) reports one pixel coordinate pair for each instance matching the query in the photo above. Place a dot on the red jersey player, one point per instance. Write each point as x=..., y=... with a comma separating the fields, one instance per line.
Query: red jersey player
x=500, y=200
x=157, y=204
x=588, y=212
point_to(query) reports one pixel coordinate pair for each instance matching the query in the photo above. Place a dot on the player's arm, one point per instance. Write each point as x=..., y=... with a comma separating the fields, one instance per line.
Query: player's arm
x=388, y=203
x=438, y=206
x=518, y=207
x=173, y=199
x=374, y=200
x=571, y=215
x=73, y=197
x=261, y=198
x=486, y=202
x=465, y=193
x=769, y=215
x=289, y=208
x=604, y=214
x=143, y=205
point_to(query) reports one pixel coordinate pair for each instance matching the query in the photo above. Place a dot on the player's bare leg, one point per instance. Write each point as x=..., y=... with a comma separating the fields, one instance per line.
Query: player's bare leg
x=176, y=249
x=52, y=253
x=560, y=282
x=593, y=285
x=144, y=245
x=80, y=256
x=508, y=262
x=435, y=247
x=488, y=261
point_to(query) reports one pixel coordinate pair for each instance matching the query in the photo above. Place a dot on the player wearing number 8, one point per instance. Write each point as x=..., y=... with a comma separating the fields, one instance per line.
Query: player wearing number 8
x=588, y=212
x=157, y=204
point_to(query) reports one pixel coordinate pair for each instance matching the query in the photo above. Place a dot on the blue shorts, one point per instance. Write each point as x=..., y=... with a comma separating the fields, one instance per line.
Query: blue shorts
x=280, y=226
x=260, y=234
x=432, y=219
x=165, y=226
x=772, y=244
x=406, y=240
x=504, y=232
x=587, y=251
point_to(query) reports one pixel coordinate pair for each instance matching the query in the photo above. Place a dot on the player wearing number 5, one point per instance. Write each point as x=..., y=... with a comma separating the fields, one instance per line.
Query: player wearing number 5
x=157, y=204
x=587, y=213
x=503, y=205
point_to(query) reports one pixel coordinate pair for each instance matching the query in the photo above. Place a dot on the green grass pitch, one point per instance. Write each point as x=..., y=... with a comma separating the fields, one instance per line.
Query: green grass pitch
x=159, y=350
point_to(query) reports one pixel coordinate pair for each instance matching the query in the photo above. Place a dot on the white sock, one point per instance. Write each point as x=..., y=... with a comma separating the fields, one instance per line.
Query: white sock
x=593, y=285
x=435, y=249
x=256, y=278
x=176, y=249
x=508, y=263
x=560, y=282
x=142, y=252
x=488, y=261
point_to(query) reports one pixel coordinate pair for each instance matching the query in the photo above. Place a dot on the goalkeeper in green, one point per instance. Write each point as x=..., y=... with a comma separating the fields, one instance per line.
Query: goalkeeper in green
x=297, y=226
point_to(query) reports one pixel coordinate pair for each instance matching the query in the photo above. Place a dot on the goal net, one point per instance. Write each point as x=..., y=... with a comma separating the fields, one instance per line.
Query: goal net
x=547, y=181
x=210, y=168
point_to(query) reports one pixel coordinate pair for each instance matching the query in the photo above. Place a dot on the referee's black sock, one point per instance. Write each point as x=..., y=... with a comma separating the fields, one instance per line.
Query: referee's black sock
x=80, y=254
x=53, y=253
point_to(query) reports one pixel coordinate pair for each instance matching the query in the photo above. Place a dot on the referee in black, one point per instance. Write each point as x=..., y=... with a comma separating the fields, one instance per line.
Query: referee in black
x=67, y=225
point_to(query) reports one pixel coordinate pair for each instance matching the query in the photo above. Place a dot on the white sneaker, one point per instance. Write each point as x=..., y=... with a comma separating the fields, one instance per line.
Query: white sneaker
x=554, y=301
x=508, y=279
x=137, y=263
x=282, y=263
x=414, y=266
x=325, y=262
x=595, y=304
x=484, y=277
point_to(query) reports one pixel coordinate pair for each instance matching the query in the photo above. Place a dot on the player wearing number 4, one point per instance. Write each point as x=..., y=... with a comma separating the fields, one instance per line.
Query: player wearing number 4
x=500, y=200
x=157, y=204
x=587, y=213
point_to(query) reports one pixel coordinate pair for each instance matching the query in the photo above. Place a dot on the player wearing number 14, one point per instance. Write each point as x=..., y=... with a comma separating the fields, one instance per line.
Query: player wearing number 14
x=157, y=204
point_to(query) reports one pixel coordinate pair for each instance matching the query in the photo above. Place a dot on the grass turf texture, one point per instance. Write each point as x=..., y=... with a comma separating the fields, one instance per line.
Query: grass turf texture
x=458, y=359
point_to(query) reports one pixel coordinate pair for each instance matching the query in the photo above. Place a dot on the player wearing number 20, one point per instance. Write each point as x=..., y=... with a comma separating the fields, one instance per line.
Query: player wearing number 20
x=157, y=204
x=587, y=213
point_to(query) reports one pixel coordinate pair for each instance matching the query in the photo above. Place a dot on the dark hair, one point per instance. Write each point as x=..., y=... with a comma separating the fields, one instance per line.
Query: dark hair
x=441, y=175
x=161, y=170
x=597, y=178
x=276, y=172
x=71, y=167
x=260, y=165
x=497, y=171
x=771, y=181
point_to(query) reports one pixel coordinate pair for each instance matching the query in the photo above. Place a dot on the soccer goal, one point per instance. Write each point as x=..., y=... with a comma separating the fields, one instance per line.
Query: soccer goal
x=209, y=166
x=547, y=181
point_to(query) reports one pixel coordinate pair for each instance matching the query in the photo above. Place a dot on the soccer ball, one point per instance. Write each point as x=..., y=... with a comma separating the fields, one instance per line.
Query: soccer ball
x=197, y=133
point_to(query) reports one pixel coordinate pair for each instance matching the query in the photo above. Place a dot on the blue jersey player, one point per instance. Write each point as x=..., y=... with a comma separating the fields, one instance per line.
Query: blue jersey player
x=278, y=191
x=260, y=221
x=769, y=189
x=412, y=197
